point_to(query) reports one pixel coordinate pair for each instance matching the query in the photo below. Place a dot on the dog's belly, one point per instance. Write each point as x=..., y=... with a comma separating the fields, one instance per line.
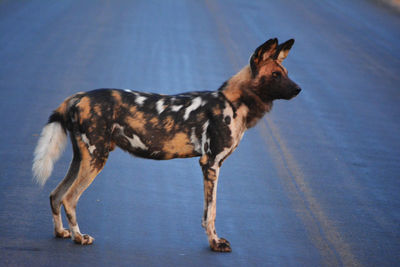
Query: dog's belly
x=156, y=145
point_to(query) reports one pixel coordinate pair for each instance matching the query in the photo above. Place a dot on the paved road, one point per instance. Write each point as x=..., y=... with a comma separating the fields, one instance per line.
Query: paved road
x=316, y=183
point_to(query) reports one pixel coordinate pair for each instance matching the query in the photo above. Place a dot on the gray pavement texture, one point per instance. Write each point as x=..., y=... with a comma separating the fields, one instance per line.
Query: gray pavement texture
x=315, y=183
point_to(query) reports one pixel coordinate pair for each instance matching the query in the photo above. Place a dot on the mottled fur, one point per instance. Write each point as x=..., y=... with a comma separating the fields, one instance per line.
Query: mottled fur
x=208, y=124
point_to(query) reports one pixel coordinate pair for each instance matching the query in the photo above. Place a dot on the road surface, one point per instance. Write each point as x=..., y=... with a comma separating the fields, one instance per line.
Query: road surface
x=316, y=182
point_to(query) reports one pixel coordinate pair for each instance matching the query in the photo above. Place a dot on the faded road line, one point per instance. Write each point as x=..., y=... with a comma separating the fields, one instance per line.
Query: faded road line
x=224, y=33
x=334, y=250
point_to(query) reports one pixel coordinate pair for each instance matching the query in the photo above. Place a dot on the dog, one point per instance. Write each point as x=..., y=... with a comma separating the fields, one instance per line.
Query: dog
x=206, y=124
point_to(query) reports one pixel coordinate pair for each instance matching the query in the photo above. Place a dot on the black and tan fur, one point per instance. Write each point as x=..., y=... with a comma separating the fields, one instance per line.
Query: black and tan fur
x=207, y=124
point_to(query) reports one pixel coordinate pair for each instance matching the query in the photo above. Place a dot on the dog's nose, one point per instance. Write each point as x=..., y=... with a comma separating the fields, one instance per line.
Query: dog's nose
x=297, y=90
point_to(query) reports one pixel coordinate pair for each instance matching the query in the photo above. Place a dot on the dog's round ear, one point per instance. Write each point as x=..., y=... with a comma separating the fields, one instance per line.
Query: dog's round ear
x=263, y=53
x=283, y=50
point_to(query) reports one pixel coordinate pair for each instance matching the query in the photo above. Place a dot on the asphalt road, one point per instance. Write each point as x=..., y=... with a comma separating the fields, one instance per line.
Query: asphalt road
x=317, y=182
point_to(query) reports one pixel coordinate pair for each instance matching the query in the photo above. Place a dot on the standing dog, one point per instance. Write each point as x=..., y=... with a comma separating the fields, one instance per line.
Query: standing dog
x=207, y=124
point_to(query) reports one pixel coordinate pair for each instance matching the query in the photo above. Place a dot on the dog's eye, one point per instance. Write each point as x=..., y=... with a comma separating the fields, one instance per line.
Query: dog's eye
x=276, y=74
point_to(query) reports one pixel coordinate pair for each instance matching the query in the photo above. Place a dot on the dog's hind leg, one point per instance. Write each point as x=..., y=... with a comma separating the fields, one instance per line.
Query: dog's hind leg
x=90, y=164
x=58, y=193
x=211, y=173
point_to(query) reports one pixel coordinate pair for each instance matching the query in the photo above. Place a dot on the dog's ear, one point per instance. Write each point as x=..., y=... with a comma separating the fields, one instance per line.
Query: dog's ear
x=262, y=53
x=283, y=50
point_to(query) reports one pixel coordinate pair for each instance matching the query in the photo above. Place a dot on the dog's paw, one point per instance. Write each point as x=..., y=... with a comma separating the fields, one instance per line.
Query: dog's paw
x=64, y=233
x=83, y=239
x=222, y=245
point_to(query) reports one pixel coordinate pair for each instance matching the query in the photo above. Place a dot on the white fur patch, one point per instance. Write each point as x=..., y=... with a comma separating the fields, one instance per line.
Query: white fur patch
x=176, y=108
x=221, y=156
x=136, y=142
x=160, y=106
x=195, y=141
x=75, y=229
x=49, y=148
x=140, y=100
x=204, y=139
x=196, y=102
x=91, y=148
x=237, y=126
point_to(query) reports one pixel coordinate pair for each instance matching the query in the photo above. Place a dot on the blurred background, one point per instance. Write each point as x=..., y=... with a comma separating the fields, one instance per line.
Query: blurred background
x=316, y=182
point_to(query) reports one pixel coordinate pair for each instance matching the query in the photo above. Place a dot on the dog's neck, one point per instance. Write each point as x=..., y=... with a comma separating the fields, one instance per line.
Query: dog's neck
x=239, y=90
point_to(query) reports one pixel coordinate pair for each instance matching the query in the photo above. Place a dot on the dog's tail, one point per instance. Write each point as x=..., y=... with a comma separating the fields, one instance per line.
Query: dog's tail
x=51, y=144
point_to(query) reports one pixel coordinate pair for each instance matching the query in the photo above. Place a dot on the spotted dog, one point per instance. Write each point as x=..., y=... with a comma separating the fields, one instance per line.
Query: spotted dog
x=207, y=124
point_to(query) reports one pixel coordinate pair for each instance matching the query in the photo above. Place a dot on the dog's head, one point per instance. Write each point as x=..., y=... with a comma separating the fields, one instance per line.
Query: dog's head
x=269, y=78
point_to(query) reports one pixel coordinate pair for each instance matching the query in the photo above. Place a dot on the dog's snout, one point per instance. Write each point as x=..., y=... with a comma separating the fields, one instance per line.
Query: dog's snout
x=297, y=90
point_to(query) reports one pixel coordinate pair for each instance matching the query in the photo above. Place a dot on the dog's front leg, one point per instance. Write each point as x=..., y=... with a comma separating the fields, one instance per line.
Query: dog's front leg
x=210, y=202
